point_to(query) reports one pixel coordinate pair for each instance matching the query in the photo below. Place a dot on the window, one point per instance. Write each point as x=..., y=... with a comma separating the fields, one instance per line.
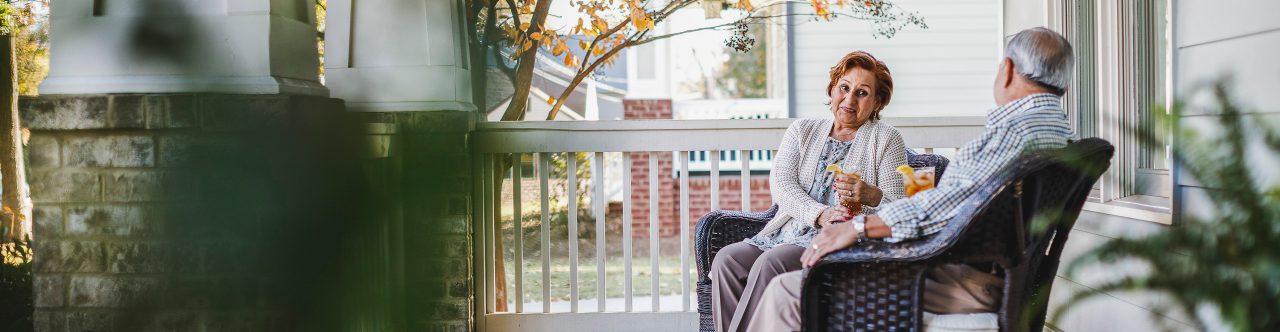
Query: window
x=1122, y=51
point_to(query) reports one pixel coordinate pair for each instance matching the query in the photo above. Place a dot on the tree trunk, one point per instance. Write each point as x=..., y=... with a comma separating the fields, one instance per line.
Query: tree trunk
x=524, y=73
x=16, y=214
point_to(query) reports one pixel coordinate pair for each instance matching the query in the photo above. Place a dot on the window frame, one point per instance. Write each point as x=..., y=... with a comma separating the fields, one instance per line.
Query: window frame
x=1115, y=76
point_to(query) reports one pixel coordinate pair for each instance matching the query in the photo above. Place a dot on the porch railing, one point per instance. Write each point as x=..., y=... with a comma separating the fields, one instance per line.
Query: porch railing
x=495, y=140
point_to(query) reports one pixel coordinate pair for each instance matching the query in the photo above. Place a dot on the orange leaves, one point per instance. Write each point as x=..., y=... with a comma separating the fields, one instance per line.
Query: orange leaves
x=746, y=5
x=640, y=19
x=570, y=60
x=559, y=48
x=599, y=25
x=821, y=8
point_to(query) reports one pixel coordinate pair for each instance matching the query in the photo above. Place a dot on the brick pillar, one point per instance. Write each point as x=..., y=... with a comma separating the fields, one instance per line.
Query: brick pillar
x=668, y=188
x=436, y=192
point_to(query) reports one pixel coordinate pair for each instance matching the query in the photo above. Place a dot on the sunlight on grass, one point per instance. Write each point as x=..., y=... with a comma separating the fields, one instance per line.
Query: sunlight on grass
x=669, y=278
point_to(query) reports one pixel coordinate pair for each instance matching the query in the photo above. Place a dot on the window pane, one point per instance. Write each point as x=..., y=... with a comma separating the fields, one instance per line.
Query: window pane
x=1153, y=26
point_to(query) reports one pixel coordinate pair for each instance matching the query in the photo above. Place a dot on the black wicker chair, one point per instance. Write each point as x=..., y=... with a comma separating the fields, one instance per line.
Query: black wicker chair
x=721, y=228
x=1018, y=222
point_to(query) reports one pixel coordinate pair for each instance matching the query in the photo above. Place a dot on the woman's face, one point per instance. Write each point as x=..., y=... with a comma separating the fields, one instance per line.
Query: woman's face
x=853, y=98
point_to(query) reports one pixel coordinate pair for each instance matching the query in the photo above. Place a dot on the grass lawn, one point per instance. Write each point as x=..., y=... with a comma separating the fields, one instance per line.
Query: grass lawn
x=669, y=278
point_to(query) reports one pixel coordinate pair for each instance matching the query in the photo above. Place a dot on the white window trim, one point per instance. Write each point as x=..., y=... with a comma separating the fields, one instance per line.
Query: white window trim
x=1115, y=200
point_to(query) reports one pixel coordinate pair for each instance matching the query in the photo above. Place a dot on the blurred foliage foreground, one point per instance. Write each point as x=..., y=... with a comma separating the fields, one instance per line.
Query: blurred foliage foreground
x=1221, y=256
x=15, y=287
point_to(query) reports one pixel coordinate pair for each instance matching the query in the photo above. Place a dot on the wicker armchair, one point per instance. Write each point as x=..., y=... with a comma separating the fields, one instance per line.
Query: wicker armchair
x=1018, y=222
x=721, y=228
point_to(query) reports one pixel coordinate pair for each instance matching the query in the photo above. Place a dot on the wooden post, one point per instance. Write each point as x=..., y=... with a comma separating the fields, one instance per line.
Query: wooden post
x=16, y=214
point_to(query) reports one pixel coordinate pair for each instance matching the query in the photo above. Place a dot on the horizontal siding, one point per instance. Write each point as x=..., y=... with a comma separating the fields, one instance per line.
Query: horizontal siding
x=1205, y=21
x=1249, y=60
x=1243, y=50
x=944, y=70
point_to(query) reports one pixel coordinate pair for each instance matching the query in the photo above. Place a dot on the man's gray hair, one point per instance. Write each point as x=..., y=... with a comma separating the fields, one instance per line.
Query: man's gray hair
x=1043, y=56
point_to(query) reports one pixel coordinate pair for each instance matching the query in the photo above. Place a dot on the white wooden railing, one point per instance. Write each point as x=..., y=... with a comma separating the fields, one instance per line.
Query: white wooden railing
x=681, y=137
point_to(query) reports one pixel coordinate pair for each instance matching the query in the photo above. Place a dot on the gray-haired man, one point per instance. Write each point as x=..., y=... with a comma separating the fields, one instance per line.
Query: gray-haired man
x=1029, y=85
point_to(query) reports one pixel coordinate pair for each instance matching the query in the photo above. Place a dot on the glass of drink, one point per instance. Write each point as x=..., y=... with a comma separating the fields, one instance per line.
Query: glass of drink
x=917, y=179
x=850, y=203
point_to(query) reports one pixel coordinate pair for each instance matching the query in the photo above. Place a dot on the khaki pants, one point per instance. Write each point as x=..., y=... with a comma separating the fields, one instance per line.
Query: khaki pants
x=739, y=274
x=948, y=289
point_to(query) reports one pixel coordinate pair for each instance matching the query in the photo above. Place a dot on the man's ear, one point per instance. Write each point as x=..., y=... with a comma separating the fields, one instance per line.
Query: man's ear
x=1008, y=71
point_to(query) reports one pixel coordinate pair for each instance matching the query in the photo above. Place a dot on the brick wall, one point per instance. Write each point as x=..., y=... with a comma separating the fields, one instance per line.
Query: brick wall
x=242, y=212
x=730, y=193
x=649, y=109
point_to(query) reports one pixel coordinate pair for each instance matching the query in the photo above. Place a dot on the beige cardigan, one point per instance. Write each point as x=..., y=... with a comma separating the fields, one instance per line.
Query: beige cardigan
x=876, y=152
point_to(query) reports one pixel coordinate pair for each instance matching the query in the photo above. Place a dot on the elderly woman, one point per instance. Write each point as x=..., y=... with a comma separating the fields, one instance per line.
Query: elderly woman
x=807, y=195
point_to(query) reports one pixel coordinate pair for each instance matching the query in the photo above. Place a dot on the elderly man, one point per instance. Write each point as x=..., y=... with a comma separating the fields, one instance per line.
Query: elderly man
x=1029, y=86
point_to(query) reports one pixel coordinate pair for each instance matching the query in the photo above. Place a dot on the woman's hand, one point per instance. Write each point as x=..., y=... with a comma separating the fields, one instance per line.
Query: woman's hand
x=833, y=214
x=856, y=189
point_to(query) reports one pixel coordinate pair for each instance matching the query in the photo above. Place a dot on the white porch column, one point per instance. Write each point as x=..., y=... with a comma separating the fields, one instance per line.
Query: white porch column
x=397, y=55
x=171, y=46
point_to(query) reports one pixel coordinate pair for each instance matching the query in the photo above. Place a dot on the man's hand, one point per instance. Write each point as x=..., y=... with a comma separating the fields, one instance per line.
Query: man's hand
x=832, y=238
x=833, y=214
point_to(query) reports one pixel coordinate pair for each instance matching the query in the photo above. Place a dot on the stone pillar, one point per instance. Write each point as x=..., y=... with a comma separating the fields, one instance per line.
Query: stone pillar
x=163, y=46
x=398, y=55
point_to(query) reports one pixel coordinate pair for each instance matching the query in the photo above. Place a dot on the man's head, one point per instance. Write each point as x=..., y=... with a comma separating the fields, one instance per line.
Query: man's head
x=1036, y=60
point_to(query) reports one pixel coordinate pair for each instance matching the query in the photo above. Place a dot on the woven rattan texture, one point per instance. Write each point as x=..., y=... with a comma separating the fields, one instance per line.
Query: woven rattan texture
x=867, y=297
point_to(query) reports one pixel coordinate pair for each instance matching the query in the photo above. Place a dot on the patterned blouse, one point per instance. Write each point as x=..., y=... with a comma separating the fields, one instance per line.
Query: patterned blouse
x=798, y=233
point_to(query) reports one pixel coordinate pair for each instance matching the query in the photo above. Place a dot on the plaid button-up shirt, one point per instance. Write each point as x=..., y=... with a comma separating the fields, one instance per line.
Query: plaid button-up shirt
x=1032, y=123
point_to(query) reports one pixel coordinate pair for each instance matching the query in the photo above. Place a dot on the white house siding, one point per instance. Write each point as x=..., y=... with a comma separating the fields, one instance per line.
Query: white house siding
x=1207, y=49
x=945, y=70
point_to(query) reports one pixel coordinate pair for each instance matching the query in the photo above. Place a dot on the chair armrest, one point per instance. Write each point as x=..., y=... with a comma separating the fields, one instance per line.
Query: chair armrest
x=721, y=228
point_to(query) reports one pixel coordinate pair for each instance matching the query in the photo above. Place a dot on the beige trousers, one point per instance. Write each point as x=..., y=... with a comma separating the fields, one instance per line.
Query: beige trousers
x=948, y=289
x=739, y=274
